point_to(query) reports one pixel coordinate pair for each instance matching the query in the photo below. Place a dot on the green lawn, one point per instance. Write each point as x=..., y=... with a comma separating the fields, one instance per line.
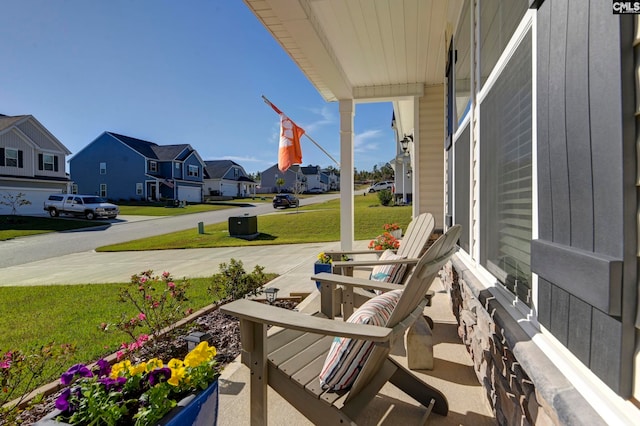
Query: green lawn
x=71, y=314
x=21, y=226
x=315, y=223
x=158, y=209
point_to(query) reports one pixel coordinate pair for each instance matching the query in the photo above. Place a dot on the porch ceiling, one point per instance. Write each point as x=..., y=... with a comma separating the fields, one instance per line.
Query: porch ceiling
x=362, y=49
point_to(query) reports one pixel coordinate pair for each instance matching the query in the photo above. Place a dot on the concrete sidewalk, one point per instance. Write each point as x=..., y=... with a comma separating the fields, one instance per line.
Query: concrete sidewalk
x=294, y=260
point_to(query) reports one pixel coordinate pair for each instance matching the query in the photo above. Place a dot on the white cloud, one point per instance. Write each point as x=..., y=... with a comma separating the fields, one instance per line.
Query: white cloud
x=367, y=141
x=326, y=118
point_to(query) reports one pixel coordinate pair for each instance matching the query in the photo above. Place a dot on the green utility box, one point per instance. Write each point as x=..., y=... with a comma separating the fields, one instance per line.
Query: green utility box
x=245, y=227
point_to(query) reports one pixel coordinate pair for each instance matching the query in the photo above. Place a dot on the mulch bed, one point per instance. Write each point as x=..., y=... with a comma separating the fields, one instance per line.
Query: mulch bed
x=225, y=336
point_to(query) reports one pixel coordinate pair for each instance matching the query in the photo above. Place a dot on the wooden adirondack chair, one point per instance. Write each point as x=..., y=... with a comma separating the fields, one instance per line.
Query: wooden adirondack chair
x=412, y=245
x=290, y=360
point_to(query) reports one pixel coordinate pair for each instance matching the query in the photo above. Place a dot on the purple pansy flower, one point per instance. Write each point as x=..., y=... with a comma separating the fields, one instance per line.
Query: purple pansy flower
x=79, y=369
x=104, y=368
x=62, y=403
x=113, y=384
x=159, y=375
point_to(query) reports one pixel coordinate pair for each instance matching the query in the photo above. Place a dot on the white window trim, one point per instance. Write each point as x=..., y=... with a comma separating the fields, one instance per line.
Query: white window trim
x=153, y=166
x=6, y=157
x=103, y=170
x=103, y=188
x=191, y=173
x=51, y=163
x=490, y=281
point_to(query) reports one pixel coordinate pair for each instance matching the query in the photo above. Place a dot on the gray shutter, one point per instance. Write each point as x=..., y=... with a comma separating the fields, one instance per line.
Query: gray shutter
x=40, y=162
x=20, y=159
x=585, y=254
x=55, y=163
x=1, y=156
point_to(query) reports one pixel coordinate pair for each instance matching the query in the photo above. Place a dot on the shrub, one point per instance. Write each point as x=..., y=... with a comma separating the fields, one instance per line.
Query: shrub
x=232, y=282
x=385, y=196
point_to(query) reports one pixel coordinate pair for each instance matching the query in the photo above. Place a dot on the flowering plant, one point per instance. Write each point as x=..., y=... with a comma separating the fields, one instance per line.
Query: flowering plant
x=384, y=241
x=391, y=227
x=22, y=370
x=324, y=258
x=133, y=394
x=159, y=301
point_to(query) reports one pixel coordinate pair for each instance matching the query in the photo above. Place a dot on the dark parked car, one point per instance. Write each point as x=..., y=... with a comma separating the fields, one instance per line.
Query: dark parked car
x=285, y=200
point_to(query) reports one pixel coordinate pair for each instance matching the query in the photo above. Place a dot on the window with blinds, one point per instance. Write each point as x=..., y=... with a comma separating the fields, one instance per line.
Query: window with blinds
x=506, y=174
x=462, y=174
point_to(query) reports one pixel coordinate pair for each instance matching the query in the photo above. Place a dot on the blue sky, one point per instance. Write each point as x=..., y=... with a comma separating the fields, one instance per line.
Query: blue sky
x=170, y=72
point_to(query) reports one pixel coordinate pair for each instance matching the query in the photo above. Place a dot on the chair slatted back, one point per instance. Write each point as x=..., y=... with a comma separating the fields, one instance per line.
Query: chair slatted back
x=417, y=235
x=415, y=289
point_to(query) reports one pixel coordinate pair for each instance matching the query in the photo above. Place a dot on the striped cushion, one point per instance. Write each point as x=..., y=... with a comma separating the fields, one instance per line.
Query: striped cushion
x=347, y=356
x=388, y=273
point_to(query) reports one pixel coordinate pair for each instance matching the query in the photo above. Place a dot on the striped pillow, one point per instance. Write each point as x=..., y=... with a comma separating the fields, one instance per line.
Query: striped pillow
x=347, y=356
x=388, y=273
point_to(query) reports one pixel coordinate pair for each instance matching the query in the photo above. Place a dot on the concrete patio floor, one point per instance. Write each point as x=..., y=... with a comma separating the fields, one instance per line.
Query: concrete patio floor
x=453, y=375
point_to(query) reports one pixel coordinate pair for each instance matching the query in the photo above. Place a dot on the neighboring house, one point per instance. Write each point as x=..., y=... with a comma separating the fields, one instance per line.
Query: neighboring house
x=227, y=178
x=333, y=178
x=523, y=119
x=269, y=177
x=32, y=162
x=314, y=178
x=120, y=167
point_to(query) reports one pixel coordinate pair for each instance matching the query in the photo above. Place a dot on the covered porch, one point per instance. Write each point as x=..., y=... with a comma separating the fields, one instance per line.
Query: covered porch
x=482, y=93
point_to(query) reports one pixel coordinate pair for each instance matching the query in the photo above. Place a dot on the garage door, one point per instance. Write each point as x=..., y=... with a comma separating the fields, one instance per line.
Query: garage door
x=35, y=196
x=193, y=194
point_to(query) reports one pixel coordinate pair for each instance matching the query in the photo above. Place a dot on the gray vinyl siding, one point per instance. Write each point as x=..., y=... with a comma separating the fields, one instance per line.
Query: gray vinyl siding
x=585, y=254
x=29, y=166
x=35, y=134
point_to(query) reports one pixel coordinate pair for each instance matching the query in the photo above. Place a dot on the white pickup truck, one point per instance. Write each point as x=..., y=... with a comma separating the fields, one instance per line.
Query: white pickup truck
x=88, y=206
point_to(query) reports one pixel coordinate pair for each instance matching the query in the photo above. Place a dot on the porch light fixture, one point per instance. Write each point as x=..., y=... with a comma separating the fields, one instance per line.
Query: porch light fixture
x=271, y=294
x=405, y=143
x=409, y=174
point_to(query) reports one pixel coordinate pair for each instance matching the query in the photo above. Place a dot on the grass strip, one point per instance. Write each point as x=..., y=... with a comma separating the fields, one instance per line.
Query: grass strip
x=316, y=223
x=22, y=226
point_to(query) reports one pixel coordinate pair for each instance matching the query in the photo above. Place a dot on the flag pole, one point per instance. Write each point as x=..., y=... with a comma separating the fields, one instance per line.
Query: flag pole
x=267, y=101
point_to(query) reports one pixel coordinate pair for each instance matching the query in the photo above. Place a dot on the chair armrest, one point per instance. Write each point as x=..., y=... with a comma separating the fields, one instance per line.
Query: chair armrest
x=359, y=263
x=335, y=253
x=325, y=277
x=339, y=267
x=266, y=314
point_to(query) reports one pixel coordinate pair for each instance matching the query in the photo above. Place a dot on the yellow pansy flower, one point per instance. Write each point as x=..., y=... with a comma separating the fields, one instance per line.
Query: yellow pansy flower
x=154, y=363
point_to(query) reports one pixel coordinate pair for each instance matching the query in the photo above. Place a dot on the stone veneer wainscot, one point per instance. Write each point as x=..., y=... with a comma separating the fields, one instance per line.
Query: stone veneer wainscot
x=504, y=358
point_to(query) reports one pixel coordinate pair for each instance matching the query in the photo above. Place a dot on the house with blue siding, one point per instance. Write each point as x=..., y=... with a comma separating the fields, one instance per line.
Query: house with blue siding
x=228, y=179
x=120, y=167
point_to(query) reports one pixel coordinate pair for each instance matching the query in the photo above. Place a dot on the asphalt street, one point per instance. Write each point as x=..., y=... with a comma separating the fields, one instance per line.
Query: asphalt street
x=47, y=246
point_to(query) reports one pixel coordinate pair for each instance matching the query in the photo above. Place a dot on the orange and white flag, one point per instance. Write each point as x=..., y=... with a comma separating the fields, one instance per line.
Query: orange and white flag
x=289, y=151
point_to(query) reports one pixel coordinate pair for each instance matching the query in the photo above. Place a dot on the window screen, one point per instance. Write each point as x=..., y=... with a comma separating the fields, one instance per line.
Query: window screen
x=505, y=169
x=462, y=58
x=498, y=21
x=461, y=182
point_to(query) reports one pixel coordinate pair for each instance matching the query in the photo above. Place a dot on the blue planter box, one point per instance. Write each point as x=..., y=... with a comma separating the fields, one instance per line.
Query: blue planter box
x=199, y=409
x=321, y=267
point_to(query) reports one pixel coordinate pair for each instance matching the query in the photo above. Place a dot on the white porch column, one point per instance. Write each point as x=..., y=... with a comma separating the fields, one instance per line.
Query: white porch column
x=346, y=174
x=415, y=160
